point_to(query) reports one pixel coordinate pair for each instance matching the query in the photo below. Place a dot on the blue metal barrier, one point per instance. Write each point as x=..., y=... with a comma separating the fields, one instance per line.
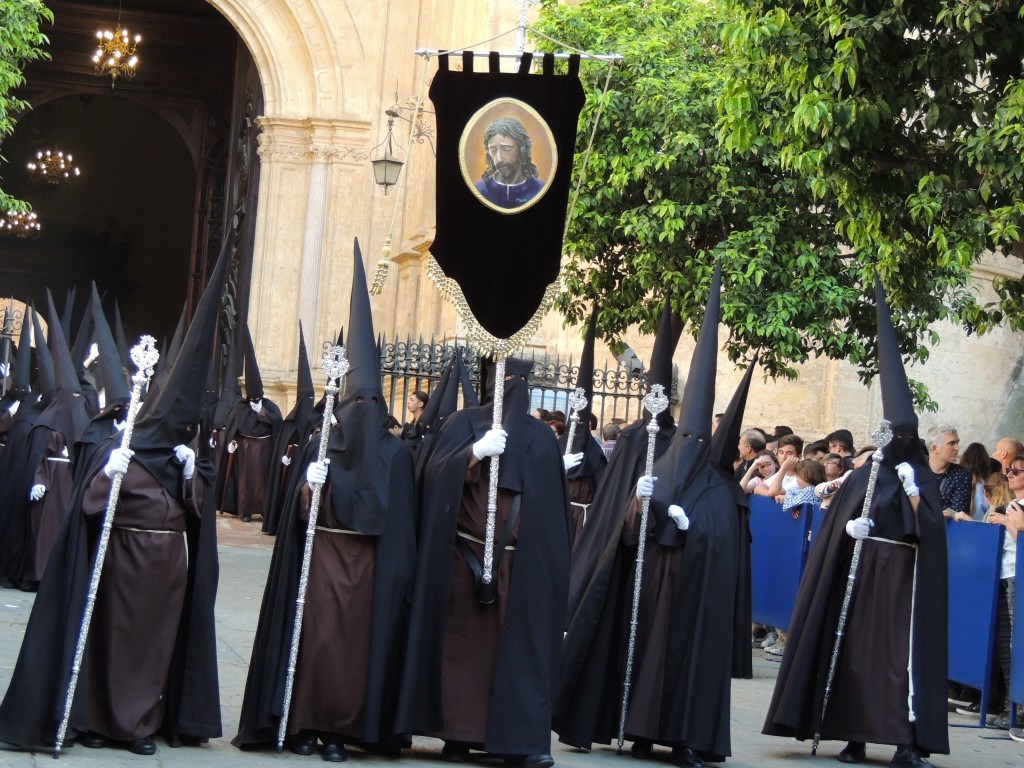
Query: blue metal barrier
x=1017, y=655
x=778, y=551
x=974, y=552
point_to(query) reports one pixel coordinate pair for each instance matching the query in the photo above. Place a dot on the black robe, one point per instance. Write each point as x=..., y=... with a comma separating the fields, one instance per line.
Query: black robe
x=393, y=571
x=799, y=689
x=687, y=618
x=522, y=687
x=33, y=706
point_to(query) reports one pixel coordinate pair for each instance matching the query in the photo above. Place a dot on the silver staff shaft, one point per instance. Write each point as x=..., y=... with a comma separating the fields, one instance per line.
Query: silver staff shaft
x=335, y=365
x=655, y=402
x=144, y=355
x=487, y=572
x=577, y=402
x=882, y=437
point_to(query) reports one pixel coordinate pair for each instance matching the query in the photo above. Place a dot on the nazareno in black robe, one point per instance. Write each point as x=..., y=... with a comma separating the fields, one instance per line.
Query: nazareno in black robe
x=393, y=571
x=522, y=688
x=33, y=706
x=693, y=680
x=796, y=705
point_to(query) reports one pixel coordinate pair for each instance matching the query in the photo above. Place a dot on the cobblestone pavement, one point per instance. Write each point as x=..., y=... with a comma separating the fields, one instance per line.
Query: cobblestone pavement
x=245, y=558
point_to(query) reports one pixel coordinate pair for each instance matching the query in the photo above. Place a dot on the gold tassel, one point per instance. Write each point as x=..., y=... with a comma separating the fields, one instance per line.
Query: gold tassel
x=382, y=269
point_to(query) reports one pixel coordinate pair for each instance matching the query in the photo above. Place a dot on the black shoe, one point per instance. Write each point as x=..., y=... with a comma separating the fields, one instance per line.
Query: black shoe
x=641, y=749
x=246, y=518
x=908, y=757
x=455, y=752
x=92, y=740
x=853, y=752
x=686, y=757
x=536, y=761
x=142, y=747
x=334, y=752
x=304, y=743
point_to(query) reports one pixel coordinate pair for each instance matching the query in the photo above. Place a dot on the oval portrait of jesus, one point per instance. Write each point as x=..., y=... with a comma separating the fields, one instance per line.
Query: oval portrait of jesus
x=508, y=155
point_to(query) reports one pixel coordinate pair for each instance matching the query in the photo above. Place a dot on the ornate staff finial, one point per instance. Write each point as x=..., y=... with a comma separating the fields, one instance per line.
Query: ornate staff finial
x=335, y=363
x=577, y=401
x=145, y=356
x=656, y=400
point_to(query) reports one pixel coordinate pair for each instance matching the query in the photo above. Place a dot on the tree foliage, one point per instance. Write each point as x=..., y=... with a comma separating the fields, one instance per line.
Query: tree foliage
x=21, y=41
x=808, y=143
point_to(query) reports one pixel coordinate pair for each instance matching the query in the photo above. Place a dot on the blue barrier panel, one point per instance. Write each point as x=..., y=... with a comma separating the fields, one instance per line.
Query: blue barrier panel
x=1017, y=657
x=975, y=551
x=777, y=559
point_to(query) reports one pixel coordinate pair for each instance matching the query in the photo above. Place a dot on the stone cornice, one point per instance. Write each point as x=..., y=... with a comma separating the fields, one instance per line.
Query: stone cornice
x=342, y=141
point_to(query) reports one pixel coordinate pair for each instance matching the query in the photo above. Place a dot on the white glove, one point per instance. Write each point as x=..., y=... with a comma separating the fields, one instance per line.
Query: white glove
x=678, y=517
x=491, y=444
x=859, y=528
x=119, y=425
x=232, y=446
x=36, y=492
x=256, y=405
x=316, y=473
x=286, y=461
x=572, y=460
x=905, y=472
x=4, y=370
x=213, y=443
x=117, y=464
x=186, y=456
x=645, y=487
x=14, y=407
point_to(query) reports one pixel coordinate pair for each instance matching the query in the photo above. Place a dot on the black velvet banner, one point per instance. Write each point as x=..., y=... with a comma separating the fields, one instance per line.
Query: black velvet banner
x=505, y=144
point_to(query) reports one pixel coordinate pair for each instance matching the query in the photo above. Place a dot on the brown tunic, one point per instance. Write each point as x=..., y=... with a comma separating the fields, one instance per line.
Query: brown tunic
x=138, y=605
x=868, y=701
x=473, y=633
x=581, y=492
x=334, y=647
x=253, y=460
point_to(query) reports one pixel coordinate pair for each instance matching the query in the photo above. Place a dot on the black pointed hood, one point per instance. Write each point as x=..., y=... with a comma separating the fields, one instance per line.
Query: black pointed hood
x=66, y=315
x=359, y=489
x=170, y=351
x=680, y=470
x=727, y=436
x=115, y=385
x=21, y=375
x=304, y=377
x=231, y=391
x=171, y=417
x=444, y=400
x=7, y=337
x=253, y=380
x=305, y=394
x=64, y=369
x=670, y=328
x=85, y=337
x=583, y=441
x=122, y=341
x=897, y=400
x=46, y=383
x=66, y=413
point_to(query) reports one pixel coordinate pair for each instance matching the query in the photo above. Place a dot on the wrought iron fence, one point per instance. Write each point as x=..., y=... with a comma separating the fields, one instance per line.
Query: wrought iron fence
x=407, y=366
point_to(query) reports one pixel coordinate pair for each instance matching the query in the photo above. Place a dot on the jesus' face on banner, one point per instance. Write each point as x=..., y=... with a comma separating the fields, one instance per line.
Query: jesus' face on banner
x=505, y=176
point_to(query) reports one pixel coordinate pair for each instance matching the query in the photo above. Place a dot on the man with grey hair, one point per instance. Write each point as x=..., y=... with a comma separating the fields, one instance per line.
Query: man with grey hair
x=955, y=486
x=510, y=179
x=752, y=442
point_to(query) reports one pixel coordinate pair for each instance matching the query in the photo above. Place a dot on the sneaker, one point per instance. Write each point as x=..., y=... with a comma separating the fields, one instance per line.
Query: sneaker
x=971, y=710
x=770, y=639
x=1002, y=721
x=1017, y=734
x=956, y=697
x=776, y=649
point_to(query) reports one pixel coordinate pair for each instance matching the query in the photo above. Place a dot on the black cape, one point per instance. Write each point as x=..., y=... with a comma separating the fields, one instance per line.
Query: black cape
x=396, y=558
x=522, y=690
x=799, y=689
x=33, y=706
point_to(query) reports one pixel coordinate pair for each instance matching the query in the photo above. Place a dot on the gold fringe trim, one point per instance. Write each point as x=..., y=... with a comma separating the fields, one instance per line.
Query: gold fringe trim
x=382, y=269
x=479, y=338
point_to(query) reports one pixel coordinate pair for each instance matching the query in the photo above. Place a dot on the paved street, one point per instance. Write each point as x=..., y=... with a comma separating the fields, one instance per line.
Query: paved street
x=244, y=559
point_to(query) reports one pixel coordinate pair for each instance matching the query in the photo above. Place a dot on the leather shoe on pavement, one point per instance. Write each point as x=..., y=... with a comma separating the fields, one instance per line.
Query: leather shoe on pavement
x=853, y=752
x=455, y=752
x=92, y=740
x=334, y=752
x=686, y=757
x=142, y=747
x=641, y=749
x=536, y=761
x=908, y=757
x=304, y=743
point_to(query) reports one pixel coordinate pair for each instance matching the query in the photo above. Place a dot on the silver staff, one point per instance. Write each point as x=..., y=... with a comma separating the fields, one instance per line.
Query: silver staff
x=881, y=437
x=335, y=365
x=655, y=402
x=488, y=592
x=577, y=402
x=144, y=355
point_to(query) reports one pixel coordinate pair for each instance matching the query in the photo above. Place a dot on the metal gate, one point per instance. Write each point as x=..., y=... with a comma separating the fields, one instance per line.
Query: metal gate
x=407, y=366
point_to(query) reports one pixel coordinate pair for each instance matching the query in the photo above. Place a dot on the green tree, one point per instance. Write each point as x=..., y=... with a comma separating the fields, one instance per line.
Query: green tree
x=698, y=154
x=21, y=42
